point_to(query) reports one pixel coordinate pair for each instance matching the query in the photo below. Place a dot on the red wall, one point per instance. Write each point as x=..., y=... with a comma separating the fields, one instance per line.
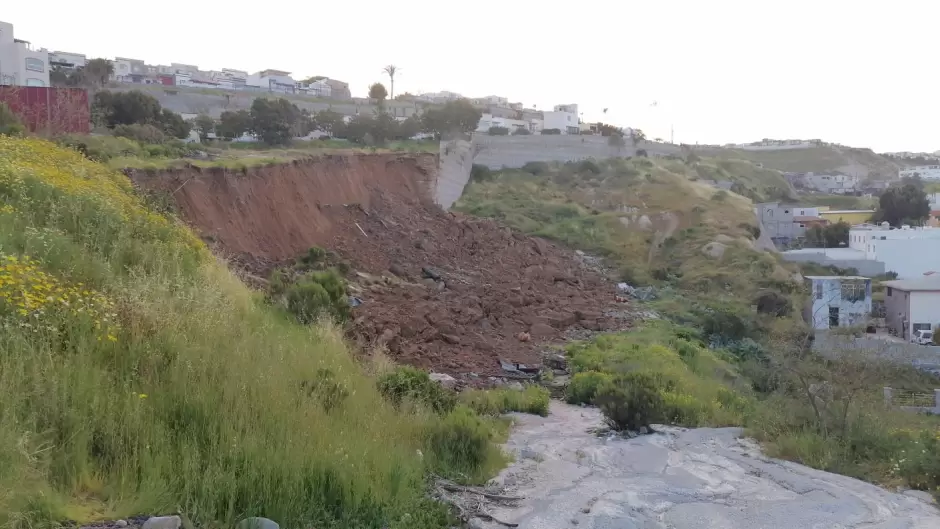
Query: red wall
x=46, y=110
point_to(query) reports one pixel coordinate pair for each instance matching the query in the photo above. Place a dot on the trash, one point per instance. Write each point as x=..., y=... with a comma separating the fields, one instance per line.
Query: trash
x=430, y=274
x=354, y=301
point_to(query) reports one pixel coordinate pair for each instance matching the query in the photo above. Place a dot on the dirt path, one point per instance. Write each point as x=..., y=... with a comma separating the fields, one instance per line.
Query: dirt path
x=680, y=479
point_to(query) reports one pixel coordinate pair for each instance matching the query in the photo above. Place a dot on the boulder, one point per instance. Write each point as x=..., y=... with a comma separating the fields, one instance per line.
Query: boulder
x=715, y=250
x=541, y=330
x=444, y=379
x=163, y=522
x=256, y=522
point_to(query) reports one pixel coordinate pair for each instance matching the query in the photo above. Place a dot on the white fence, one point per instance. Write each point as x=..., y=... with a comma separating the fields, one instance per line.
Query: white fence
x=918, y=401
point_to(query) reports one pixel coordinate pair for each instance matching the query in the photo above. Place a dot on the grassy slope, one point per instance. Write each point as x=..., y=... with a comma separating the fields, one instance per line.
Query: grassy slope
x=816, y=159
x=138, y=375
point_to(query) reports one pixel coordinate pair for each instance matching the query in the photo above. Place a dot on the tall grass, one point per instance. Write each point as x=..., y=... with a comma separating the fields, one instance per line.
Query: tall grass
x=197, y=400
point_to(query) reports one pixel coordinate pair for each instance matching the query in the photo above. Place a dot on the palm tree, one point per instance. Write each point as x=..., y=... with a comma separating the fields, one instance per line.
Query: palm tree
x=391, y=70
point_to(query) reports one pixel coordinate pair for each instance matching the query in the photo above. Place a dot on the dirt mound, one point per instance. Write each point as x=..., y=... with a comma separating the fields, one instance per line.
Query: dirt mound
x=440, y=290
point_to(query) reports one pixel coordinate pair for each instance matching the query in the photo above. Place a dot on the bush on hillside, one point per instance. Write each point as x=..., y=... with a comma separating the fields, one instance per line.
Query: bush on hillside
x=409, y=384
x=630, y=401
x=589, y=167
x=773, y=303
x=519, y=131
x=480, y=173
x=145, y=133
x=536, y=168
x=460, y=445
x=583, y=386
x=532, y=399
x=321, y=293
x=10, y=124
x=551, y=132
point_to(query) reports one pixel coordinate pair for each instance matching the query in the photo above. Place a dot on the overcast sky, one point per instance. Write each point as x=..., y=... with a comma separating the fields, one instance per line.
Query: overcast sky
x=853, y=72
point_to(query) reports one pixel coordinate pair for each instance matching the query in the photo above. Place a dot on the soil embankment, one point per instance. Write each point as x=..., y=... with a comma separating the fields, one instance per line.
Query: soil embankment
x=493, y=294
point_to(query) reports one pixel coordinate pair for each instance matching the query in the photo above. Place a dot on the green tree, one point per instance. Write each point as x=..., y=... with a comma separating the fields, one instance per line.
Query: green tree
x=378, y=93
x=391, y=70
x=409, y=128
x=328, y=121
x=126, y=108
x=637, y=137
x=831, y=236
x=204, y=124
x=903, y=204
x=233, y=124
x=173, y=124
x=273, y=121
x=455, y=117
x=97, y=72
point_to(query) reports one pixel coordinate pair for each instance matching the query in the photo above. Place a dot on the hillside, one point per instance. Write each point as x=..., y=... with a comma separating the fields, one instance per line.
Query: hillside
x=864, y=163
x=139, y=376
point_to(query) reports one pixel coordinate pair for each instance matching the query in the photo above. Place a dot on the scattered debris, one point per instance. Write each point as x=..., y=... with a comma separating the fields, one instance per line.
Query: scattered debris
x=354, y=301
x=470, y=502
x=641, y=293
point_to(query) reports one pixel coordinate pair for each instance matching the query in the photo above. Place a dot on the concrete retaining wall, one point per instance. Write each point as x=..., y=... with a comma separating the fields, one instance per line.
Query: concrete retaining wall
x=497, y=152
x=455, y=163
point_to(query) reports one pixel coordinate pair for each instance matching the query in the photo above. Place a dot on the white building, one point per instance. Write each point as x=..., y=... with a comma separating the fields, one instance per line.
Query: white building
x=20, y=64
x=320, y=88
x=487, y=121
x=926, y=172
x=838, y=301
x=66, y=60
x=439, y=97
x=273, y=81
x=912, y=305
x=572, y=108
x=563, y=120
x=909, y=252
x=838, y=184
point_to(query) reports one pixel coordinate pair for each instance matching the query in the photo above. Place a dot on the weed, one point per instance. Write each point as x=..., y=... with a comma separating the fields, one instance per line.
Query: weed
x=409, y=384
x=631, y=401
x=532, y=399
x=583, y=386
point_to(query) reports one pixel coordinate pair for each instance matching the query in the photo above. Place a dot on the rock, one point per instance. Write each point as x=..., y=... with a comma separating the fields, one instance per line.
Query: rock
x=256, y=522
x=430, y=283
x=517, y=386
x=528, y=453
x=451, y=339
x=644, y=430
x=397, y=269
x=541, y=329
x=920, y=495
x=722, y=238
x=523, y=337
x=444, y=379
x=430, y=273
x=644, y=222
x=163, y=522
x=120, y=523
x=419, y=244
x=587, y=315
x=556, y=361
x=714, y=250
x=476, y=523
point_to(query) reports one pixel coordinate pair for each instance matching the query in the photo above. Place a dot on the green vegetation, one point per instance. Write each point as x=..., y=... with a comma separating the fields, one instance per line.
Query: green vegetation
x=140, y=376
x=10, y=124
x=730, y=347
x=817, y=159
x=531, y=399
x=111, y=109
x=409, y=385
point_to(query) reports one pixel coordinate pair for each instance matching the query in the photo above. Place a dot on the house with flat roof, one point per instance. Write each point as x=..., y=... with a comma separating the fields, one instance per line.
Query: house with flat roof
x=838, y=301
x=912, y=304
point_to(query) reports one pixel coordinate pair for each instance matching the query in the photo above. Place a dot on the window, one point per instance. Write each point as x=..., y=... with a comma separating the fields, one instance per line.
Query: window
x=818, y=290
x=35, y=65
x=922, y=327
x=35, y=82
x=853, y=291
x=889, y=291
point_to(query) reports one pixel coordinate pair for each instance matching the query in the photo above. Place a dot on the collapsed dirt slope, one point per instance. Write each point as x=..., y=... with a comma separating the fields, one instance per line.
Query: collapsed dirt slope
x=493, y=294
x=278, y=211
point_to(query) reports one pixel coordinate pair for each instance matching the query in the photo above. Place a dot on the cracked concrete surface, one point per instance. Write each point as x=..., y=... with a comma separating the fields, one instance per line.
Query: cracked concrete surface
x=704, y=478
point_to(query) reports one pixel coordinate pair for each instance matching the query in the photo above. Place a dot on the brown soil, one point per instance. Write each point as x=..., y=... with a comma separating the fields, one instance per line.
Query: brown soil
x=502, y=295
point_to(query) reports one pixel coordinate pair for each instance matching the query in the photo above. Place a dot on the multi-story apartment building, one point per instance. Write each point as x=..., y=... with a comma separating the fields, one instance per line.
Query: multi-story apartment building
x=20, y=64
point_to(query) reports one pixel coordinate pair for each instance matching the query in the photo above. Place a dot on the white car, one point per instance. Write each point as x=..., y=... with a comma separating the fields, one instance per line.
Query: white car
x=922, y=337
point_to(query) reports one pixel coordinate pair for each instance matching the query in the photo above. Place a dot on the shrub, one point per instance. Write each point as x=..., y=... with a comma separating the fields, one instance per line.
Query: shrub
x=519, y=131
x=415, y=385
x=630, y=401
x=583, y=386
x=532, y=399
x=480, y=173
x=551, y=132
x=773, y=303
x=460, y=444
x=140, y=133
x=10, y=124
x=314, y=256
x=498, y=131
x=589, y=166
x=920, y=465
x=327, y=389
x=317, y=294
x=536, y=168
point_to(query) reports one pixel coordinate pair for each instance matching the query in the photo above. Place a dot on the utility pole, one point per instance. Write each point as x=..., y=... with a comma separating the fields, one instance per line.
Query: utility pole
x=672, y=134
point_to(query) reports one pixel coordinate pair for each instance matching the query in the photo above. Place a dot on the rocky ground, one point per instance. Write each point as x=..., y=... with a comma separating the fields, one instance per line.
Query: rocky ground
x=569, y=476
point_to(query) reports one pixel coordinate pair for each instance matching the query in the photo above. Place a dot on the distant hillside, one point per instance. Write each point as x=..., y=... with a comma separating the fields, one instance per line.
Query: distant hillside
x=862, y=162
